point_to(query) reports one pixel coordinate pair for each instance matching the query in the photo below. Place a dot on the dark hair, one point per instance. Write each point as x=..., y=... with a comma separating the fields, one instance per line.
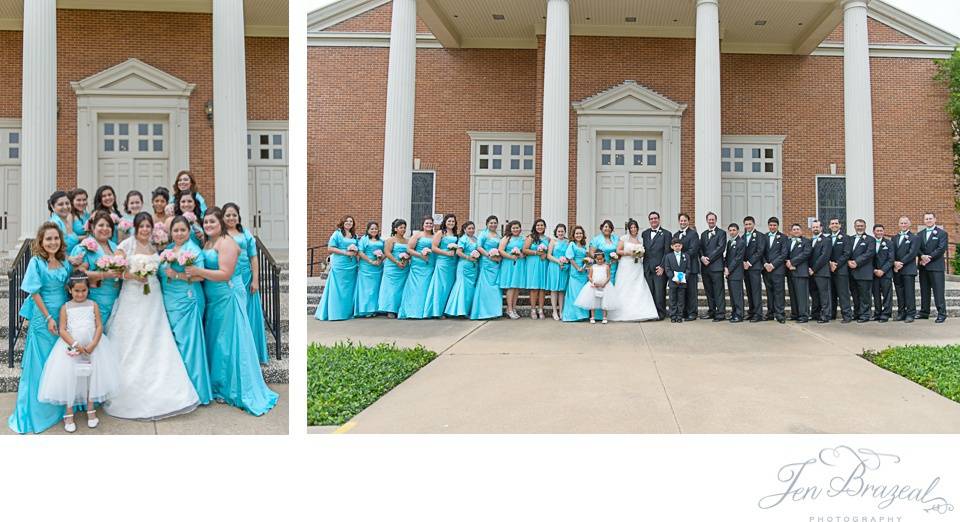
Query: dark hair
x=491, y=216
x=631, y=222
x=73, y=195
x=683, y=214
x=583, y=242
x=140, y=218
x=463, y=227
x=217, y=213
x=773, y=219
x=653, y=213
x=369, y=224
x=734, y=225
x=835, y=219
x=605, y=223
x=858, y=220
x=77, y=278
x=558, y=227
x=533, y=230
x=340, y=226
x=423, y=220
x=599, y=253
x=193, y=181
x=878, y=225
x=750, y=219
x=443, y=223
x=179, y=219
x=36, y=247
x=179, y=196
x=56, y=197
x=98, y=199
x=397, y=223
x=160, y=191
x=676, y=241
x=236, y=207
x=97, y=216
x=509, y=231
x=796, y=225
x=126, y=201
x=711, y=213
x=929, y=213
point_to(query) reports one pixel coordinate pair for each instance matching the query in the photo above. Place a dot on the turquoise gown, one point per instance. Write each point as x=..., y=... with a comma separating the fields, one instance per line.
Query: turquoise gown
x=201, y=203
x=465, y=284
x=413, y=304
x=444, y=275
x=336, y=303
x=556, y=276
x=70, y=238
x=366, y=300
x=30, y=415
x=598, y=242
x=248, y=251
x=185, y=304
x=392, y=283
x=536, y=267
x=572, y=312
x=487, y=297
x=512, y=271
x=105, y=294
x=235, y=373
x=80, y=224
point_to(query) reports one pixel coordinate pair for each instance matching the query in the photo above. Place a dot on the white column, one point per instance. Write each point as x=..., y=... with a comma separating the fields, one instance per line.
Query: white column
x=230, y=106
x=555, y=162
x=707, y=120
x=398, y=131
x=39, y=114
x=857, y=113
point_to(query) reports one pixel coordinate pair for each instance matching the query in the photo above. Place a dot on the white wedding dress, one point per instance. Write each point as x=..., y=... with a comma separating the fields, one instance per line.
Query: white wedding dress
x=634, y=300
x=153, y=379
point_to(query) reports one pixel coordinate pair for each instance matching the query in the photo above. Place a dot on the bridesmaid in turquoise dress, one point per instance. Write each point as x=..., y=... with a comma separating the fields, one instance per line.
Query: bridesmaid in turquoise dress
x=185, y=204
x=366, y=301
x=576, y=252
x=132, y=205
x=104, y=286
x=487, y=298
x=558, y=269
x=78, y=200
x=445, y=245
x=606, y=242
x=235, y=375
x=336, y=303
x=535, y=248
x=184, y=300
x=248, y=266
x=186, y=183
x=396, y=266
x=461, y=295
x=413, y=305
x=45, y=281
x=105, y=199
x=512, y=276
x=60, y=215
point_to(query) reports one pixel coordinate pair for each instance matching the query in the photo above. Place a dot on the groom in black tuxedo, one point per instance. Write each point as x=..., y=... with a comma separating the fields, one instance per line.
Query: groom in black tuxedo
x=712, y=244
x=691, y=247
x=733, y=270
x=656, y=243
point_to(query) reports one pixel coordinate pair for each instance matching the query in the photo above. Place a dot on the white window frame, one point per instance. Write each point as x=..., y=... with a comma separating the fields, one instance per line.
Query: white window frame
x=133, y=136
x=630, y=152
x=747, y=142
x=505, y=139
x=8, y=125
x=256, y=127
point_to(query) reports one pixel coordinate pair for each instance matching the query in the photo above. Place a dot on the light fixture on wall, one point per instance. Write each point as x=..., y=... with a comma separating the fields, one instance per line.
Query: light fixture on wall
x=208, y=109
x=58, y=108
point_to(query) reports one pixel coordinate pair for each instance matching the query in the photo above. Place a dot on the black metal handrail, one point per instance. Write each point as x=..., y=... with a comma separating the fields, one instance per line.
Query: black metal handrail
x=270, y=292
x=18, y=268
x=315, y=260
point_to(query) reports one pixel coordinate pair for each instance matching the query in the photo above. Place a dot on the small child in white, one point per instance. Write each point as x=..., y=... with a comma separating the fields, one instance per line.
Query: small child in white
x=82, y=366
x=599, y=292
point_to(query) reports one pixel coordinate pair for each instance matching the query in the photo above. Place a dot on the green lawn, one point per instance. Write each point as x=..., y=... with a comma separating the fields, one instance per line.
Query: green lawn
x=934, y=367
x=345, y=378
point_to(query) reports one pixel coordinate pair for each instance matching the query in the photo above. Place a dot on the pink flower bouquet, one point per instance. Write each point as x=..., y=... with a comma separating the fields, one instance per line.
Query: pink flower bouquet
x=190, y=217
x=112, y=264
x=115, y=218
x=168, y=210
x=90, y=244
x=160, y=235
x=126, y=225
x=186, y=259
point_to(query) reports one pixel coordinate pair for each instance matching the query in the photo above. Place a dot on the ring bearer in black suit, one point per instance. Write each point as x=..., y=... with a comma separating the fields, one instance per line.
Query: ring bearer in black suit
x=691, y=247
x=933, y=265
x=882, y=276
x=712, y=244
x=774, y=257
x=861, y=270
x=907, y=249
x=734, y=272
x=798, y=274
x=677, y=262
x=753, y=269
x=656, y=244
x=819, y=270
x=839, y=273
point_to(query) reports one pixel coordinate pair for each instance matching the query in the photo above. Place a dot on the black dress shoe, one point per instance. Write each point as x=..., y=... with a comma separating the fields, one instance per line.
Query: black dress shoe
x=822, y=321
x=863, y=320
x=690, y=318
x=922, y=316
x=802, y=320
x=882, y=320
x=941, y=319
x=898, y=318
x=707, y=316
x=781, y=320
x=736, y=320
x=908, y=320
x=718, y=319
x=845, y=320
x=755, y=320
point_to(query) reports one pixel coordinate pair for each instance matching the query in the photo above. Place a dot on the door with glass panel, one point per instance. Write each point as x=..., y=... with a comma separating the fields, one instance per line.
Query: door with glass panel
x=750, y=182
x=133, y=155
x=503, y=182
x=9, y=186
x=267, y=169
x=629, y=178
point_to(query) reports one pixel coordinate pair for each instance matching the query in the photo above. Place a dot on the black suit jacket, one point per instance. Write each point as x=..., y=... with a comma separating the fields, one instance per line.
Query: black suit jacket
x=934, y=246
x=691, y=247
x=799, y=257
x=906, y=252
x=820, y=257
x=776, y=253
x=863, y=254
x=712, y=249
x=733, y=261
x=753, y=251
x=840, y=253
x=883, y=258
x=655, y=246
x=670, y=264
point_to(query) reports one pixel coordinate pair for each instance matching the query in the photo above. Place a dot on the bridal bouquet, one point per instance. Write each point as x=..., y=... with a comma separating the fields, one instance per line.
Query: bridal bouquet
x=90, y=244
x=160, y=235
x=454, y=246
x=112, y=264
x=144, y=266
x=638, y=254
x=126, y=225
x=190, y=217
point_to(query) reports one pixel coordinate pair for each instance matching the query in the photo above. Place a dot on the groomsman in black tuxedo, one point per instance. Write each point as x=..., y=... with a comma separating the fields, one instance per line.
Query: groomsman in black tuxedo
x=907, y=249
x=933, y=265
x=691, y=247
x=734, y=272
x=861, y=269
x=840, y=274
x=882, y=276
x=712, y=244
x=673, y=262
x=753, y=250
x=656, y=244
x=798, y=274
x=774, y=259
x=819, y=270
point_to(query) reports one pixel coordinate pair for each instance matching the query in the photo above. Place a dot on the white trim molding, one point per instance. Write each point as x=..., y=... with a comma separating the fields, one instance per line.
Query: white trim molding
x=268, y=125
x=8, y=123
x=910, y=25
x=331, y=39
x=928, y=52
x=338, y=12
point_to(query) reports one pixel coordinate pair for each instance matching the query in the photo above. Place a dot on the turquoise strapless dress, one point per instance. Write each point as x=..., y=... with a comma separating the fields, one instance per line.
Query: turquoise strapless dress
x=465, y=284
x=185, y=304
x=487, y=298
x=444, y=275
x=29, y=414
x=536, y=267
x=368, y=279
x=512, y=272
x=70, y=238
x=572, y=312
x=336, y=303
x=248, y=251
x=392, y=283
x=80, y=224
x=105, y=294
x=413, y=305
x=235, y=373
x=556, y=276
x=600, y=243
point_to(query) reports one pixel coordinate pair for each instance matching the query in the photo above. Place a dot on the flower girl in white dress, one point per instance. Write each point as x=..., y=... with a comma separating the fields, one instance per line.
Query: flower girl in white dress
x=599, y=292
x=82, y=367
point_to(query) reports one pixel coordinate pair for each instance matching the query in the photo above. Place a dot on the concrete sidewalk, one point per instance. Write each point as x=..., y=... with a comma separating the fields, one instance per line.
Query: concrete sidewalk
x=213, y=419
x=701, y=377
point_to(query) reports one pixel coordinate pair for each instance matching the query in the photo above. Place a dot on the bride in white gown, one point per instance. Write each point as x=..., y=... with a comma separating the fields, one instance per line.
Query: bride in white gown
x=634, y=300
x=154, y=380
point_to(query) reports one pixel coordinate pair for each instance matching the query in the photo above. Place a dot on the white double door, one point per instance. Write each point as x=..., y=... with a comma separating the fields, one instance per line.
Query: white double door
x=267, y=170
x=133, y=155
x=507, y=197
x=741, y=197
x=9, y=186
x=625, y=195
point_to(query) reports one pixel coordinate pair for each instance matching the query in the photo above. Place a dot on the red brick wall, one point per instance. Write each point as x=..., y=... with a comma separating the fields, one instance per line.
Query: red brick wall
x=11, y=67
x=373, y=21
x=877, y=32
x=267, y=78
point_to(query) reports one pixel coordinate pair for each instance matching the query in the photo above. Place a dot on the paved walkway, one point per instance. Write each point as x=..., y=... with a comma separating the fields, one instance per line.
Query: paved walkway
x=702, y=377
x=214, y=419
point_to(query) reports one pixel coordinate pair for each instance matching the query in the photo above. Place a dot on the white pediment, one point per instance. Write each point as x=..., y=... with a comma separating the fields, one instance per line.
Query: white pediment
x=629, y=98
x=132, y=78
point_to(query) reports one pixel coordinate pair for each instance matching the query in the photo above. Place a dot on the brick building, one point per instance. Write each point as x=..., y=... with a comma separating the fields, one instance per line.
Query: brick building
x=128, y=93
x=578, y=111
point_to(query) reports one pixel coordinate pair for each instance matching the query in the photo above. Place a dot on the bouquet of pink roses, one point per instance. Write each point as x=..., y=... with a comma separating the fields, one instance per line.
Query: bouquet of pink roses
x=190, y=217
x=90, y=244
x=126, y=225
x=116, y=264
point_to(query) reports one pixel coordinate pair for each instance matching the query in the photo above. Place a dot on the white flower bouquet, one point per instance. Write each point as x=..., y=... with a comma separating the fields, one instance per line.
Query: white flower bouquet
x=638, y=254
x=144, y=266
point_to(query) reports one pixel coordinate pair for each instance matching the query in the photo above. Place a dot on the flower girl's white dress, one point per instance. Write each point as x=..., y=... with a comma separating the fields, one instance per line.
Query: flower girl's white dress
x=60, y=382
x=591, y=298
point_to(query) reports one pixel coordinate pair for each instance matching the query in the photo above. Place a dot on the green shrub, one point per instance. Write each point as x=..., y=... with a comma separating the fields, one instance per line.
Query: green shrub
x=934, y=367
